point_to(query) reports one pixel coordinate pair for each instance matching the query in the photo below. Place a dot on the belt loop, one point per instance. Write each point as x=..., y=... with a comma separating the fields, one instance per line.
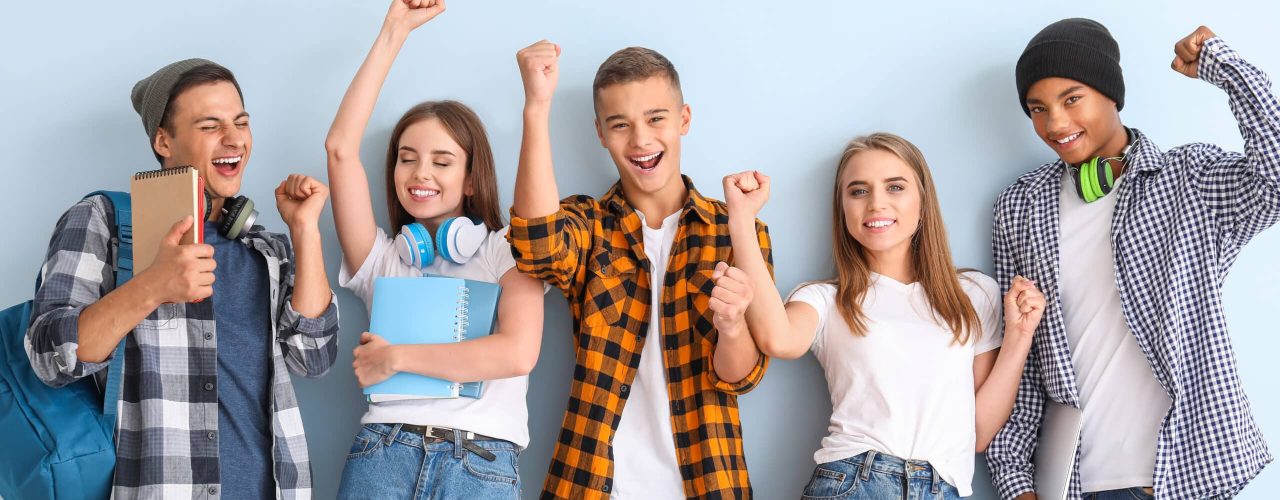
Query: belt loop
x=457, y=444
x=933, y=474
x=864, y=472
x=391, y=436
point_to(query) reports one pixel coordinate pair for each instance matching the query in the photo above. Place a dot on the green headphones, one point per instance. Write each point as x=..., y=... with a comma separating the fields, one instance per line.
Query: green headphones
x=1094, y=178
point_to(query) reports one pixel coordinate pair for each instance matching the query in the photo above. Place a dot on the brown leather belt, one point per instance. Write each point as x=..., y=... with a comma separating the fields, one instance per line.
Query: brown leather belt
x=465, y=438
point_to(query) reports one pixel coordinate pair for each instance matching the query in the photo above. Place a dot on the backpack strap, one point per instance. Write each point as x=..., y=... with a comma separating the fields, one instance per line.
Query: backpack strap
x=122, y=251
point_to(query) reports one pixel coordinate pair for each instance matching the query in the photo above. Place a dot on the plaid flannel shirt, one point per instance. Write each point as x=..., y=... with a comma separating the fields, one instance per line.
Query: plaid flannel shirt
x=593, y=250
x=167, y=432
x=1181, y=219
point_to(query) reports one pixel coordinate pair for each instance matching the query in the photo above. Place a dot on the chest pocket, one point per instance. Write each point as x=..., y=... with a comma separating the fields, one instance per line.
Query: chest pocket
x=698, y=288
x=611, y=287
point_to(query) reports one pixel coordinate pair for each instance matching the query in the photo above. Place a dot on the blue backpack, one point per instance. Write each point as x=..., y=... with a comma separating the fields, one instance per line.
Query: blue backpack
x=59, y=442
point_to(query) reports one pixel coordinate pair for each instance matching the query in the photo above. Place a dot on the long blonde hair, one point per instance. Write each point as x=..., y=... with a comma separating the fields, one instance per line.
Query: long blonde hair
x=930, y=253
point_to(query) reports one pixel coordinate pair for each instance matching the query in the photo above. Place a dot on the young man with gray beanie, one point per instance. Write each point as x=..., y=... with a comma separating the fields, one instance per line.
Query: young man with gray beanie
x=211, y=331
x=1130, y=244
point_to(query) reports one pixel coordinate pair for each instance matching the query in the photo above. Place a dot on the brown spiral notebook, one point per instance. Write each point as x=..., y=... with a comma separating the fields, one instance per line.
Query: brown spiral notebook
x=160, y=199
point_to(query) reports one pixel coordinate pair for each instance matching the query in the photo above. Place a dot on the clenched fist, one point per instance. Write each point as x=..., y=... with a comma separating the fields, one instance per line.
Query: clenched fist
x=540, y=71
x=1186, y=53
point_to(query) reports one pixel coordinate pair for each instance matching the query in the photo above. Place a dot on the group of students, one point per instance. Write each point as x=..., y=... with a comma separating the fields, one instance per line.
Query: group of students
x=1107, y=297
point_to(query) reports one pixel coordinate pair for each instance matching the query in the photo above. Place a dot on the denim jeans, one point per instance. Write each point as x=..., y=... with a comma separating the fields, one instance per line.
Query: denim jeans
x=1125, y=494
x=386, y=462
x=876, y=476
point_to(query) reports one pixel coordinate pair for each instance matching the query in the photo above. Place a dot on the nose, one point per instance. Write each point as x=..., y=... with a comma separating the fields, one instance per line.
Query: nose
x=1056, y=122
x=641, y=137
x=235, y=137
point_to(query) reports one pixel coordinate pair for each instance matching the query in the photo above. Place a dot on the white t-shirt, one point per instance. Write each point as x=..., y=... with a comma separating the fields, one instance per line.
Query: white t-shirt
x=906, y=388
x=644, y=448
x=500, y=412
x=1122, y=401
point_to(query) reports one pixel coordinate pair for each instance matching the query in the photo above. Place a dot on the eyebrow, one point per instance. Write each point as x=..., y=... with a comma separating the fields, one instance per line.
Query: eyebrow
x=243, y=114
x=434, y=151
x=857, y=182
x=646, y=113
x=1070, y=90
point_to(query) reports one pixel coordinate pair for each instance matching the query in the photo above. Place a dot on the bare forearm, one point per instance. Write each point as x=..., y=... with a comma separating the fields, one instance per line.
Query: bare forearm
x=536, y=194
x=735, y=355
x=493, y=357
x=766, y=316
x=996, y=397
x=311, y=292
x=103, y=323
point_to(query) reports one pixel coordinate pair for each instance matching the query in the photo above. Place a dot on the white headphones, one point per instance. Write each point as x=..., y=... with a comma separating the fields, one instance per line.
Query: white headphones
x=456, y=240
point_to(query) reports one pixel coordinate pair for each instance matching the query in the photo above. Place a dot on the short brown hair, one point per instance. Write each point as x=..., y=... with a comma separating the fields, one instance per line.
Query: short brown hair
x=633, y=64
x=465, y=128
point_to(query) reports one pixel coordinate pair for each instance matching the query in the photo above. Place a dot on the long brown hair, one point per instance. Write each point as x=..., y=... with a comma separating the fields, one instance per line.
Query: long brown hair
x=930, y=253
x=465, y=128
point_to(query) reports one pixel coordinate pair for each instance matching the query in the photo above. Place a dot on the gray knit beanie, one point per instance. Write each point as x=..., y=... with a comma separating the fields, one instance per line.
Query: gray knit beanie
x=151, y=94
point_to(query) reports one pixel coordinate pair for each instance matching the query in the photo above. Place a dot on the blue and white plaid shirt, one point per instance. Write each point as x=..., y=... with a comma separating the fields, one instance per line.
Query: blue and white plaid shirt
x=1180, y=221
x=166, y=435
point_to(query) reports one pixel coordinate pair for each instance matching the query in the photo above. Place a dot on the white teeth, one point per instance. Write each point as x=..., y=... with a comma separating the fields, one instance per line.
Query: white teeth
x=228, y=160
x=648, y=157
x=423, y=192
x=879, y=223
x=1069, y=138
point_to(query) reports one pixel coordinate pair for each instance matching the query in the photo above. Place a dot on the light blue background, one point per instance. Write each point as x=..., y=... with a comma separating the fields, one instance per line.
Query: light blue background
x=774, y=86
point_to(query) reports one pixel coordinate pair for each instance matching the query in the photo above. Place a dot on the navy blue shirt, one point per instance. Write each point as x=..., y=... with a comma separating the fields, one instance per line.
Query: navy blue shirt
x=241, y=310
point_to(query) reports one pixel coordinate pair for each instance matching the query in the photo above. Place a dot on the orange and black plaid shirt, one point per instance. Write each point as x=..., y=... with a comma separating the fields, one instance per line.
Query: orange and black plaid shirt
x=593, y=251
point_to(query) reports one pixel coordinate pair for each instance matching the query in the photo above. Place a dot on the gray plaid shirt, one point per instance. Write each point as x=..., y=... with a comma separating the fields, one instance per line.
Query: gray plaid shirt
x=1181, y=219
x=167, y=432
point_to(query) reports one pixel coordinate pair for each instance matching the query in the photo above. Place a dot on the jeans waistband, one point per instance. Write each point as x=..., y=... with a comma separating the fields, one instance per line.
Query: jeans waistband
x=873, y=461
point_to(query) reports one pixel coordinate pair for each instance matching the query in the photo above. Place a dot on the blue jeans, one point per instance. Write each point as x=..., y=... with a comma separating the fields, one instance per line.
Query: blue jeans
x=876, y=476
x=386, y=462
x=1125, y=494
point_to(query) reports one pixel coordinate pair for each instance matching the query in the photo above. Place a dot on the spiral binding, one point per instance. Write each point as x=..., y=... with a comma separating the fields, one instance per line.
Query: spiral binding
x=163, y=172
x=461, y=317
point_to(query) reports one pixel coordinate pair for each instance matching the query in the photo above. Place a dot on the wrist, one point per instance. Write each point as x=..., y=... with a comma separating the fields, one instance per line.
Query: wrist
x=304, y=230
x=536, y=108
x=147, y=288
x=1014, y=339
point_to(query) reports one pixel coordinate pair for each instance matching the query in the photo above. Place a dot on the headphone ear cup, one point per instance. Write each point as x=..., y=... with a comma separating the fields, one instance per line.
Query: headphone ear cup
x=1079, y=178
x=1106, y=179
x=418, y=245
x=468, y=238
x=238, y=215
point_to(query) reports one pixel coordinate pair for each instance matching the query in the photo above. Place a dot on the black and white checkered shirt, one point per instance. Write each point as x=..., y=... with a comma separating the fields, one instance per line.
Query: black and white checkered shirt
x=167, y=431
x=1180, y=221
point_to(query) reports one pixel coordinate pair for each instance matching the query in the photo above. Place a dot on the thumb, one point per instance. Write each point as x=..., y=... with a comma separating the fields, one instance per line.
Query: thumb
x=557, y=46
x=366, y=337
x=174, y=237
x=721, y=267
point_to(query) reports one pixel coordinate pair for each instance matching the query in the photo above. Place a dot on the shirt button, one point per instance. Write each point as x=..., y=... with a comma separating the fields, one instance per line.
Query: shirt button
x=208, y=386
x=676, y=406
x=605, y=488
x=213, y=490
x=208, y=336
x=212, y=435
x=625, y=388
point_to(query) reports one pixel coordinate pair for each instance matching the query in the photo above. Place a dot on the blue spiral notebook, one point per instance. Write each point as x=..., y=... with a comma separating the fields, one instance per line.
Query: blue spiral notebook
x=430, y=310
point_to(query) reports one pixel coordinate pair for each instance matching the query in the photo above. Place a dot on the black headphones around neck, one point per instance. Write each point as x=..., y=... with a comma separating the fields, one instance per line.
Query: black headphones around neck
x=236, y=216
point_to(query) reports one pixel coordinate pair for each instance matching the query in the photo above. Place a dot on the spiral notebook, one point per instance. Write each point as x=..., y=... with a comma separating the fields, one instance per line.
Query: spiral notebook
x=430, y=310
x=160, y=198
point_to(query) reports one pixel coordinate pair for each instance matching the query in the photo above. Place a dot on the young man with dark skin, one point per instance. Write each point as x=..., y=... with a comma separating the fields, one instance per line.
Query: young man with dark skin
x=207, y=409
x=1131, y=244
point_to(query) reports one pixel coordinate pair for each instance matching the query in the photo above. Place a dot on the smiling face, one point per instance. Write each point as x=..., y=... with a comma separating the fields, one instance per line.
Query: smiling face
x=881, y=202
x=431, y=173
x=640, y=122
x=208, y=128
x=1076, y=121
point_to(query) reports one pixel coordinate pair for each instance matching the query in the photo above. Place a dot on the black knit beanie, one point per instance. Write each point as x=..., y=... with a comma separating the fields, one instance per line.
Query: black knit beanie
x=1078, y=49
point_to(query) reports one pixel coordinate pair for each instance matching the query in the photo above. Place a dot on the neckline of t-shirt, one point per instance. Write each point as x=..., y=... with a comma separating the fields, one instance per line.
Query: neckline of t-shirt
x=877, y=279
x=670, y=219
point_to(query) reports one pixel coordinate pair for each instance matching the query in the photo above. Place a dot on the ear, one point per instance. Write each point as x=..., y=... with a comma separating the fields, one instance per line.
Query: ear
x=163, y=143
x=469, y=185
x=600, y=133
x=686, y=114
